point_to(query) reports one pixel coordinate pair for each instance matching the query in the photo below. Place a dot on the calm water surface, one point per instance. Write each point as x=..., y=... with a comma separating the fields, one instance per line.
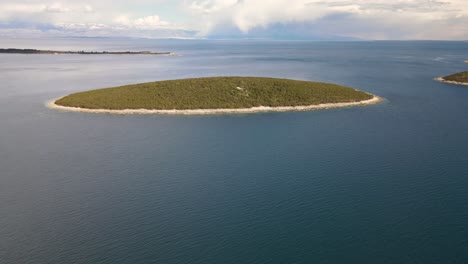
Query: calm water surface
x=381, y=184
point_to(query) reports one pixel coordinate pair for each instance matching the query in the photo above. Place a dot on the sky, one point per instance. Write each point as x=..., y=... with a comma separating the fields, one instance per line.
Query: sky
x=274, y=19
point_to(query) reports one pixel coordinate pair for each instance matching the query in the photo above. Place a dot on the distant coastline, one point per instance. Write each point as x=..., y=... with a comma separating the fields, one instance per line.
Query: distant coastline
x=36, y=51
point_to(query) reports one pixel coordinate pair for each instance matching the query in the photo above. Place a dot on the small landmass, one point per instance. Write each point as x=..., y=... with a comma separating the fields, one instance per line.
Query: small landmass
x=215, y=95
x=35, y=51
x=460, y=78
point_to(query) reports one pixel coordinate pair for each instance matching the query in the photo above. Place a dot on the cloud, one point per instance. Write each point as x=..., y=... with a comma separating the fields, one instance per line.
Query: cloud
x=249, y=14
x=381, y=19
x=56, y=8
x=88, y=8
x=40, y=13
x=77, y=18
x=148, y=22
x=364, y=19
x=90, y=30
x=22, y=8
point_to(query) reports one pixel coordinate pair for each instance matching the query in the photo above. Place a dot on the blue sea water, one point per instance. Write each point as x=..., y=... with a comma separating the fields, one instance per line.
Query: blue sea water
x=386, y=183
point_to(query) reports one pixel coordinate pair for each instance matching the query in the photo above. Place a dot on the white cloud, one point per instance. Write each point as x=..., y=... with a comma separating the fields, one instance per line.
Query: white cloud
x=40, y=12
x=15, y=8
x=95, y=30
x=81, y=18
x=148, y=22
x=408, y=17
x=56, y=8
x=369, y=19
x=88, y=8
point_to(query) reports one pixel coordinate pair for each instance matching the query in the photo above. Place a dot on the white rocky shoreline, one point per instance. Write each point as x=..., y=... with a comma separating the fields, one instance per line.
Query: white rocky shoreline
x=441, y=79
x=260, y=109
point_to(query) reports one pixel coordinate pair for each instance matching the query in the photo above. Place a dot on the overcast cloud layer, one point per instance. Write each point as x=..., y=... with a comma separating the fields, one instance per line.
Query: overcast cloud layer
x=363, y=19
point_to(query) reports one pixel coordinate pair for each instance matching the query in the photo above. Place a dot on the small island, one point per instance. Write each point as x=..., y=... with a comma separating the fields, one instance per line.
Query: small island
x=35, y=51
x=215, y=95
x=460, y=78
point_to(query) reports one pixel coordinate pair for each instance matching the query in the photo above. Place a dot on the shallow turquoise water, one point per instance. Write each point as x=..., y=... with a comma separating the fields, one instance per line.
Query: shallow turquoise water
x=381, y=184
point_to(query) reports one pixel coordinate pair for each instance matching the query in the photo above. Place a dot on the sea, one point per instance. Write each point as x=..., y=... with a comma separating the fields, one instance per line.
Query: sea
x=386, y=183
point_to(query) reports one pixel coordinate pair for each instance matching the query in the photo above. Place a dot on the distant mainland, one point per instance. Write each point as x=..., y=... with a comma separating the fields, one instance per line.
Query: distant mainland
x=35, y=51
x=215, y=95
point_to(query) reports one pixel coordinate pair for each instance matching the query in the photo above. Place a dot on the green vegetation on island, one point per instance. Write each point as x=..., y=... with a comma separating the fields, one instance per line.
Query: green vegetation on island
x=461, y=77
x=214, y=93
x=35, y=51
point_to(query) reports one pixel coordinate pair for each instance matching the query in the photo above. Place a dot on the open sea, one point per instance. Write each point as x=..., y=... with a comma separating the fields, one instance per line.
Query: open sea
x=386, y=183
